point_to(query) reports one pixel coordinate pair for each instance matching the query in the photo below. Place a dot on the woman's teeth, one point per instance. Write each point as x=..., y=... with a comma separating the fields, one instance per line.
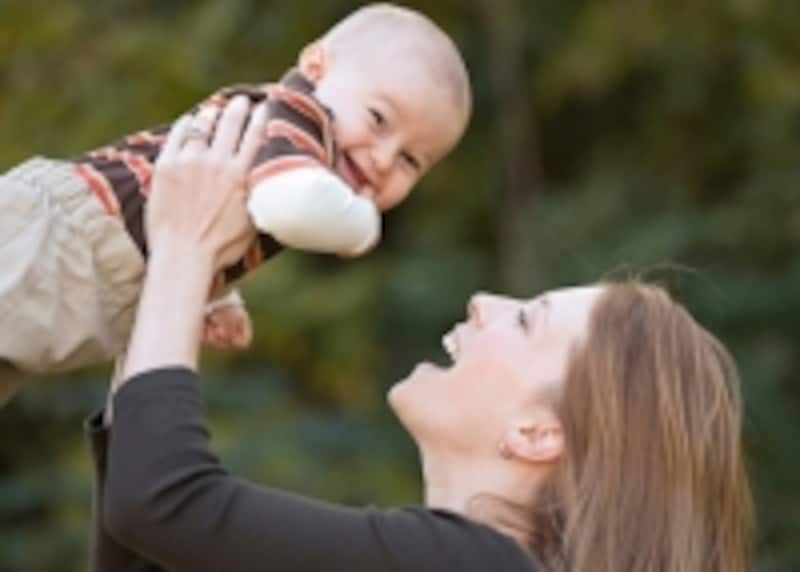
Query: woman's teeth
x=450, y=346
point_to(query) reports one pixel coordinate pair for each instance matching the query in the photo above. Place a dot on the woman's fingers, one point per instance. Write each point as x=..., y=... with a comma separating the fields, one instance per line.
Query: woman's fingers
x=198, y=133
x=229, y=128
x=214, y=213
x=175, y=138
x=253, y=137
x=192, y=133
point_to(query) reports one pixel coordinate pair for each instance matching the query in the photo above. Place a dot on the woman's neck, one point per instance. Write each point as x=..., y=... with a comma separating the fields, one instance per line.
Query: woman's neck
x=497, y=492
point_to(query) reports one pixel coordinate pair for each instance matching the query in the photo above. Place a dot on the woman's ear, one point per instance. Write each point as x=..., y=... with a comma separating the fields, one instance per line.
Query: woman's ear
x=538, y=439
x=313, y=62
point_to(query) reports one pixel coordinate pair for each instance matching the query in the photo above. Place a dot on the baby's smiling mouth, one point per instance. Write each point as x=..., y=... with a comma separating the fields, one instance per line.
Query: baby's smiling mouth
x=352, y=173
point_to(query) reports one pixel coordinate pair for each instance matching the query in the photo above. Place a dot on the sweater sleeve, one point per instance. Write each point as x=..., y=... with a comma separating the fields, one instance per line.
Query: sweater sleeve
x=168, y=498
x=106, y=554
x=295, y=194
x=311, y=208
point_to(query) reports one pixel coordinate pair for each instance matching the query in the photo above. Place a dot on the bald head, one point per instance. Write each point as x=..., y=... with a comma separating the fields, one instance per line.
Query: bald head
x=394, y=33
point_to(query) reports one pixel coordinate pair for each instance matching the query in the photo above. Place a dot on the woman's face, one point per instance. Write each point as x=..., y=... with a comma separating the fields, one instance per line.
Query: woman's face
x=509, y=356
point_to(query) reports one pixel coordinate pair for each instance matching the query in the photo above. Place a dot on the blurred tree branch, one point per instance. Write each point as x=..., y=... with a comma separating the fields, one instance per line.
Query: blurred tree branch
x=522, y=179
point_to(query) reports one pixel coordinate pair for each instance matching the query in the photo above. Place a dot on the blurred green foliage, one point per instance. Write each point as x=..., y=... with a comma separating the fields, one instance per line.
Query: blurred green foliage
x=658, y=138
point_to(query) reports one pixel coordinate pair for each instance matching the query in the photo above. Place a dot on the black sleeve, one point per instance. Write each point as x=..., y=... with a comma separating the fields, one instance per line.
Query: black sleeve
x=168, y=498
x=106, y=554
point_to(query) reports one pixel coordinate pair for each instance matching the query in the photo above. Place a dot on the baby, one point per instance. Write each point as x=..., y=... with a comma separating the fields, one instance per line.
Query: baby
x=370, y=108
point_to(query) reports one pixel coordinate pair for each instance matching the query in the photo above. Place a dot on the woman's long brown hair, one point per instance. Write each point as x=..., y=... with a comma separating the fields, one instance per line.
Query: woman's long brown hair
x=653, y=477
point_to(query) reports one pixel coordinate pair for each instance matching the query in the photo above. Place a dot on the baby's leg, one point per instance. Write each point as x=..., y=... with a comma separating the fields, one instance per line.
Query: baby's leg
x=70, y=273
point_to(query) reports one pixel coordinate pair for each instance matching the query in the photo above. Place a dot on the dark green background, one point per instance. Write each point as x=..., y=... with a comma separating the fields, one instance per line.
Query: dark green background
x=658, y=137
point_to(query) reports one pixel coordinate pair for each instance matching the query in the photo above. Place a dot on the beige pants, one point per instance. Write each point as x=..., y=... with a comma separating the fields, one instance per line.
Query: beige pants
x=70, y=275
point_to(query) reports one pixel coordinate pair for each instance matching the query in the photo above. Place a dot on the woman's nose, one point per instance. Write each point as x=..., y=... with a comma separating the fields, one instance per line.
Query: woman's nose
x=483, y=307
x=478, y=307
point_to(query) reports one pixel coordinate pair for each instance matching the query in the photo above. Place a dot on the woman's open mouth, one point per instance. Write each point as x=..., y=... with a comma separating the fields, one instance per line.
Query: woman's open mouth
x=451, y=347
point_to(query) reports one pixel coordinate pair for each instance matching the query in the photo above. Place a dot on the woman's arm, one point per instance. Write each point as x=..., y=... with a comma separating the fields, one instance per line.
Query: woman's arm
x=196, y=221
x=165, y=496
x=106, y=553
x=168, y=498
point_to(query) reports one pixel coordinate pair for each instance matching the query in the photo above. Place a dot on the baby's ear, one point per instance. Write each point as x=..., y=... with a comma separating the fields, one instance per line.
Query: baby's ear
x=313, y=62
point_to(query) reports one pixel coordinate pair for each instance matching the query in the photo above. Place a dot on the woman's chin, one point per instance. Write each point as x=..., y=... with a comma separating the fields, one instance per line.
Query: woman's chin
x=423, y=373
x=426, y=368
x=412, y=392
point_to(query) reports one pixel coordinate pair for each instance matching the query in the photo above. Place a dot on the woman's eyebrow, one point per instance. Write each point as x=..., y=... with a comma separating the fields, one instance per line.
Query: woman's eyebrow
x=528, y=315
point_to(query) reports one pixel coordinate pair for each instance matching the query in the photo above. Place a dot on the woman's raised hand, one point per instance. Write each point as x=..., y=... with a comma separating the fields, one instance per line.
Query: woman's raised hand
x=196, y=223
x=198, y=193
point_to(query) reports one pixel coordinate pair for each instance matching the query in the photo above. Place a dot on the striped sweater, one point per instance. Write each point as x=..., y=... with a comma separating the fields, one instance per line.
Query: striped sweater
x=298, y=134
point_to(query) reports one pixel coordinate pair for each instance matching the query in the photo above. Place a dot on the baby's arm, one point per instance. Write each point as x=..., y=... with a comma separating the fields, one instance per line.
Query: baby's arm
x=311, y=208
x=295, y=196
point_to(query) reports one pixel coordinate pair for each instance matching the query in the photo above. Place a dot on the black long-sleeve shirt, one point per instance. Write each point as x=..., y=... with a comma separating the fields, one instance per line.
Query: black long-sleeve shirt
x=164, y=502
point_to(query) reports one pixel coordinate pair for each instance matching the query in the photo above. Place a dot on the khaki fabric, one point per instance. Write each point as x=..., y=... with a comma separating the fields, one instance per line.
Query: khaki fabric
x=70, y=275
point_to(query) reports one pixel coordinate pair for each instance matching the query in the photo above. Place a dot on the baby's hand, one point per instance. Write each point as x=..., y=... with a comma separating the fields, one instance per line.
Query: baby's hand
x=228, y=326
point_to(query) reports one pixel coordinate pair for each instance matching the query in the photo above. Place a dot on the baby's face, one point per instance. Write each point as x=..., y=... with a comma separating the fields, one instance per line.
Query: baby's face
x=392, y=123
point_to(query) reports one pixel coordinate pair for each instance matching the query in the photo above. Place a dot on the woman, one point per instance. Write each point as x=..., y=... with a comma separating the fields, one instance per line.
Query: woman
x=593, y=428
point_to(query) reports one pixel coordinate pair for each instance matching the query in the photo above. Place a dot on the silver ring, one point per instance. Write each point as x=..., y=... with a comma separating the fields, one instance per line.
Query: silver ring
x=196, y=133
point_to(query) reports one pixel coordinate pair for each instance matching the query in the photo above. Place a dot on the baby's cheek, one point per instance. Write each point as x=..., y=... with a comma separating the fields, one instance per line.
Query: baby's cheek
x=394, y=195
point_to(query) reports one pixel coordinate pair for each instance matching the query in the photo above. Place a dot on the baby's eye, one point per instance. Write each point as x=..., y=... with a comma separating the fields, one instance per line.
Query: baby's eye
x=377, y=117
x=411, y=161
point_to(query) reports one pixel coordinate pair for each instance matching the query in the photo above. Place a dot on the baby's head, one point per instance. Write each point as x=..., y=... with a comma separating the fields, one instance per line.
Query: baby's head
x=399, y=93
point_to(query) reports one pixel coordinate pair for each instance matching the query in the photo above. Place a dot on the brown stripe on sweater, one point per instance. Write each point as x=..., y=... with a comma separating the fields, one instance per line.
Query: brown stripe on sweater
x=297, y=137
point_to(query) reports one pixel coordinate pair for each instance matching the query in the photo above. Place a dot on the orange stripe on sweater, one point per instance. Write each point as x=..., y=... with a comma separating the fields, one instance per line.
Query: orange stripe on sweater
x=100, y=187
x=141, y=168
x=146, y=138
x=279, y=165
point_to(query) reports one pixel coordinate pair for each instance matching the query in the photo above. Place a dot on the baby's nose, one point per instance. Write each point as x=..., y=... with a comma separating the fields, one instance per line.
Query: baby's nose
x=384, y=155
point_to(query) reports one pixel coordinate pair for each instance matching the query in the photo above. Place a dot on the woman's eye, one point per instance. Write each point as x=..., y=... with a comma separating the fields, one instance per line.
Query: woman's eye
x=522, y=320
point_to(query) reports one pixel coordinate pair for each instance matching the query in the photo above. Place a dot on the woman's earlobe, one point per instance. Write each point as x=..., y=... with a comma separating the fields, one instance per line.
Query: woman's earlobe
x=534, y=442
x=549, y=444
